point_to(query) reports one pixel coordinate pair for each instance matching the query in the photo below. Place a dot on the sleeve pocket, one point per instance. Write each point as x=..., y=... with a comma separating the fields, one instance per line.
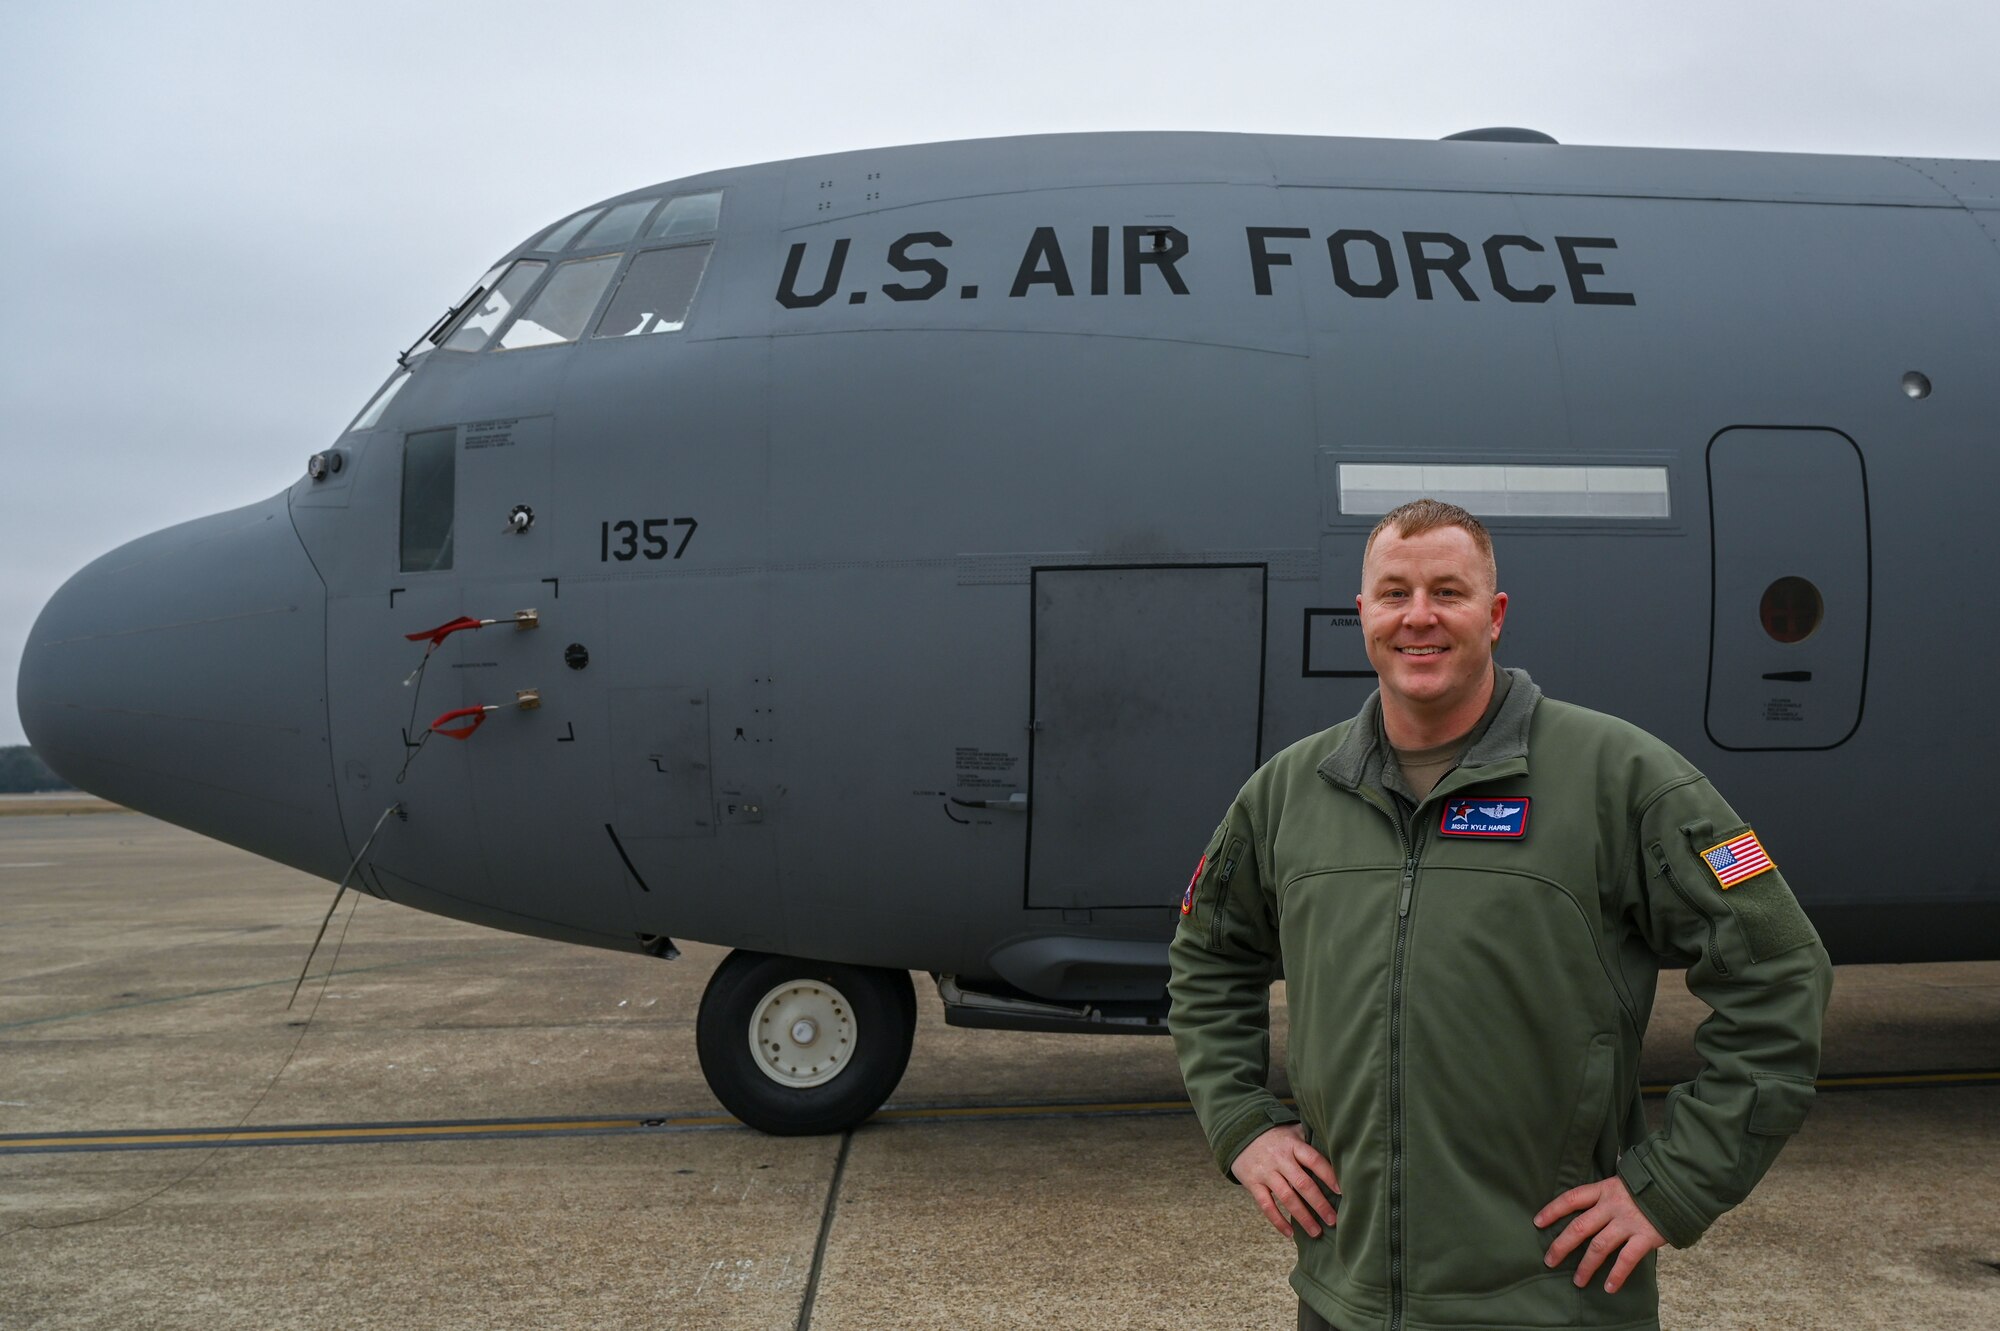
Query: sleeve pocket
x=1780, y=1106
x=1762, y=904
x=1215, y=885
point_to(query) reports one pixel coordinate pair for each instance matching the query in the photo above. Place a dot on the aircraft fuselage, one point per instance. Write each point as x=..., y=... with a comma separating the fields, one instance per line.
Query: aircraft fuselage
x=918, y=592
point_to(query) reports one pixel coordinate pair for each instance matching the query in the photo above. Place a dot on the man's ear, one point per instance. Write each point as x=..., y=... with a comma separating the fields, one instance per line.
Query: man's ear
x=1499, y=613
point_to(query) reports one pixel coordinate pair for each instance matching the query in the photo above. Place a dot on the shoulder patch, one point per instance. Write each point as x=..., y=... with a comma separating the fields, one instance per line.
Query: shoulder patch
x=1736, y=859
x=1187, y=897
x=1486, y=815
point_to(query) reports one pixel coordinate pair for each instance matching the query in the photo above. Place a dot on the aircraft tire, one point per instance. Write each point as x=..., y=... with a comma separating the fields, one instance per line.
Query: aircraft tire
x=799, y=1048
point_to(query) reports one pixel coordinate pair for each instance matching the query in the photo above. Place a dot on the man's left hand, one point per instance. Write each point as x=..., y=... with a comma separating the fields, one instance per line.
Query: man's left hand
x=1614, y=1218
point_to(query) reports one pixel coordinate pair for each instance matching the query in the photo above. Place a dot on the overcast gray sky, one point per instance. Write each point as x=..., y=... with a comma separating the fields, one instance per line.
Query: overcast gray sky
x=228, y=217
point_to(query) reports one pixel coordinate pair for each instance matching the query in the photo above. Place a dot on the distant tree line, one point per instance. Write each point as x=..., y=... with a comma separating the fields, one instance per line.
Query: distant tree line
x=21, y=772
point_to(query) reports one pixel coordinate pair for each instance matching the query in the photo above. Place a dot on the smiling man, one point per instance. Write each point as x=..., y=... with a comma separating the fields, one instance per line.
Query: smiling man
x=1470, y=889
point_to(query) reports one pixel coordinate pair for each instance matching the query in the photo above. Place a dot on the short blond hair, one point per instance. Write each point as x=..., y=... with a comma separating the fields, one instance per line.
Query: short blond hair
x=1426, y=515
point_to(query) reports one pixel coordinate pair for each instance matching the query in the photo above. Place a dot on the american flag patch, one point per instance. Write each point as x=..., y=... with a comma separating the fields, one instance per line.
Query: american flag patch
x=1187, y=897
x=1733, y=861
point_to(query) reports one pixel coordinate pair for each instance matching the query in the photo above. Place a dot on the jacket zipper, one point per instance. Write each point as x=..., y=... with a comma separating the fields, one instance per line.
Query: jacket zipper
x=1408, y=835
x=1396, y=1294
x=1666, y=871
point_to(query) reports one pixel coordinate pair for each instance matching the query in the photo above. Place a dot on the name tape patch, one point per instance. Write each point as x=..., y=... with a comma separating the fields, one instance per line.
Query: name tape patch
x=1736, y=859
x=1486, y=815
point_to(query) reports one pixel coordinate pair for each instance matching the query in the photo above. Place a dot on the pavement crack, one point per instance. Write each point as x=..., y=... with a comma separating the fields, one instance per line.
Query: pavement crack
x=825, y=1228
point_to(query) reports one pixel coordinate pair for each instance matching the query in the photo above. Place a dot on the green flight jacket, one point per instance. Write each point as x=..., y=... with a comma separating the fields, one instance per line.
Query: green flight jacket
x=1466, y=1011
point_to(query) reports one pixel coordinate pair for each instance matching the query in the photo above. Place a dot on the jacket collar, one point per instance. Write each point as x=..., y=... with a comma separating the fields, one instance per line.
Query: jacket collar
x=1359, y=757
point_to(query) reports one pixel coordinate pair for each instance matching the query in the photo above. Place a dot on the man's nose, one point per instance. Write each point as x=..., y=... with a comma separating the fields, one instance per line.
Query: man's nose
x=184, y=675
x=1419, y=610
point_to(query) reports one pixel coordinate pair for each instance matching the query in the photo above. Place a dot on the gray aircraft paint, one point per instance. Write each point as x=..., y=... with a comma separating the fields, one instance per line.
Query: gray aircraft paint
x=888, y=519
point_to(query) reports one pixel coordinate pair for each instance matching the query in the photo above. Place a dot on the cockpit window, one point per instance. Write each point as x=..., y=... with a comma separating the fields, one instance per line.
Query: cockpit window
x=689, y=215
x=430, y=485
x=450, y=319
x=478, y=324
x=566, y=231
x=619, y=225
x=656, y=293
x=380, y=402
x=562, y=311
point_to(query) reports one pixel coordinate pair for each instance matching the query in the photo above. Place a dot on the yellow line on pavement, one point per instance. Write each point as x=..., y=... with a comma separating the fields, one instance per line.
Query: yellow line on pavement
x=1034, y=1111
x=1970, y=1076
x=1909, y=1079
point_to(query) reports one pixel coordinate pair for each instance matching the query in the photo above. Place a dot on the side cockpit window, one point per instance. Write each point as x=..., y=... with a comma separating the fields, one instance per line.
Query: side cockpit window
x=378, y=404
x=656, y=292
x=430, y=489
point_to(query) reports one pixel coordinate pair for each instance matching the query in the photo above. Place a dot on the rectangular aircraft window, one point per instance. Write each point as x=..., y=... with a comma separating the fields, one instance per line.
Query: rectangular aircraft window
x=656, y=293
x=565, y=231
x=430, y=489
x=619, y=225
x=1507, y=490
x=689, y=215
x=373, y=411
x=562, y=310
x=491, y=310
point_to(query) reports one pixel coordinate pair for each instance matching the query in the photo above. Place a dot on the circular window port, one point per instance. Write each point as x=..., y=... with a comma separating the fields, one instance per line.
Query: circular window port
x=1791, y=609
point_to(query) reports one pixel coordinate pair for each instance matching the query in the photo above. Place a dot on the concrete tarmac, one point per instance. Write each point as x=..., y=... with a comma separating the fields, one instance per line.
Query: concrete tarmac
x=143, y=978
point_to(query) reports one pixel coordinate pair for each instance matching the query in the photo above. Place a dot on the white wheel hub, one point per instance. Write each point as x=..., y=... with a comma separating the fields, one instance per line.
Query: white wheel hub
x=802, y=1033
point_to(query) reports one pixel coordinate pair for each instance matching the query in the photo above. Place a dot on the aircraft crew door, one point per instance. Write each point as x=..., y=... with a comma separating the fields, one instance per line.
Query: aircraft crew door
x=528, y=767
x=1788, y=646
x=1148, y=699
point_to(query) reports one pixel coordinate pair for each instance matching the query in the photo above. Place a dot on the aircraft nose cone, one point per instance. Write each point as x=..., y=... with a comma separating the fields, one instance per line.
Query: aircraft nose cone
x=183, y=675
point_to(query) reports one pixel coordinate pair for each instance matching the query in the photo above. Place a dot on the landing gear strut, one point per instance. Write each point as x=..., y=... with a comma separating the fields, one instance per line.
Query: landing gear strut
x=797, y=1048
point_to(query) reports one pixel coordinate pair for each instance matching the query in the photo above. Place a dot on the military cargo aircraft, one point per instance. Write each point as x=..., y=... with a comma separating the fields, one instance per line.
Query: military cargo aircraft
x=894, y=561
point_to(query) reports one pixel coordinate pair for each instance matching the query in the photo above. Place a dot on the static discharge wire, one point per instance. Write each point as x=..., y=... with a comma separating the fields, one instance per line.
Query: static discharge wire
x=414, y=682
x=337, y=891
x=304, y=1027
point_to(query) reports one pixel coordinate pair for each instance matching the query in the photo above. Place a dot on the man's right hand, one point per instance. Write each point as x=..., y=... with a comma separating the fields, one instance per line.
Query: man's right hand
x=1279, y=1170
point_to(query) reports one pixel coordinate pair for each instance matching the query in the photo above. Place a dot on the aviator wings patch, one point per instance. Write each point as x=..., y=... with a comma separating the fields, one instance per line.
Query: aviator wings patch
x=1486, y=815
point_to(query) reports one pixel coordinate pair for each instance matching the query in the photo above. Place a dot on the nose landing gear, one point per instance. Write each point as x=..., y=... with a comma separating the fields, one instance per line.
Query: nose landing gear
x=797, y=1048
